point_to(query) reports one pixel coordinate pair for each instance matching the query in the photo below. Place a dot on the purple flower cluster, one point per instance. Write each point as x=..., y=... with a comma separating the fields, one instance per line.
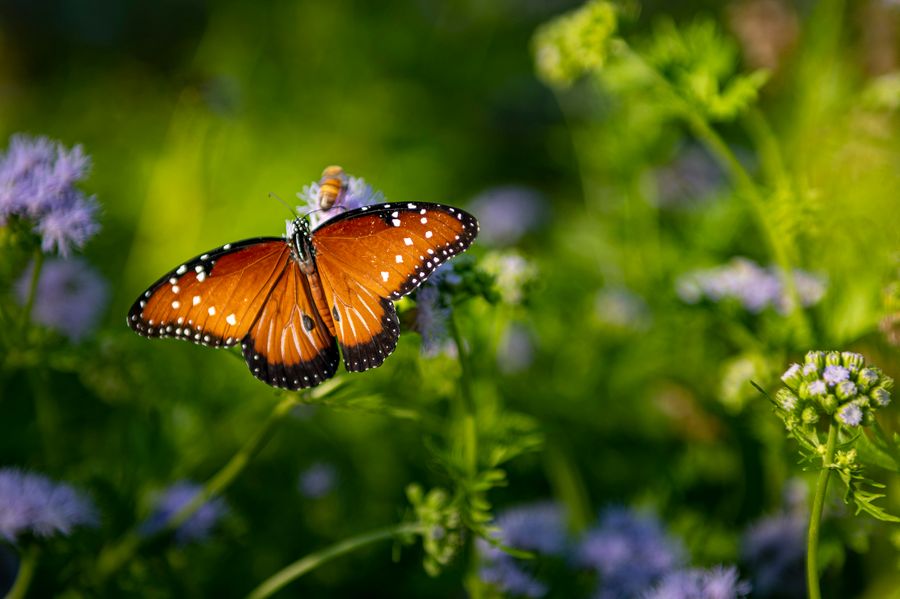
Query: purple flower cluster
x=317, y=481
x=754, y=287
x=198, y=526
x=837, y=384
x=32, y=503
x=630, y=552
x=774, y=550
x=358, y=193
x=507, y=213
x=38, y=180
x=539, y=528
x=694, y=583
x=70, y=296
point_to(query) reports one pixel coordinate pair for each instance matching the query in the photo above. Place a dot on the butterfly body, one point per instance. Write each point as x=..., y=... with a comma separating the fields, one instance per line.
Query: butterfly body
x=292, y=302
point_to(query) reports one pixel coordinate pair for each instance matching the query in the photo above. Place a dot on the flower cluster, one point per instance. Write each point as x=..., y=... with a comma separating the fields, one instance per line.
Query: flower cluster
x=70, y=296
x=539, y=528
x=752, y=286
x=575, y=43
x=32, y=503
x=507, y=213
x=719, y=582
x=774, y=550
x=37, y=185
x=171, y=501
x=835, y=384
x=630, y=552
x=358, y=193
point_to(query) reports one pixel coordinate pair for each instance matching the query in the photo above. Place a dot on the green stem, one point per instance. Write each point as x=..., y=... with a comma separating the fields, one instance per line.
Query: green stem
x=470, y=435
x=314, y=560
x=113, y=557
x=815, y=516
x=27, y=566
x=37, y=266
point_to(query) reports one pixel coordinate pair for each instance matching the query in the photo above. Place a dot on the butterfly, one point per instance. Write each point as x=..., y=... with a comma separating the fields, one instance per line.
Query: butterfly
x=291, y=302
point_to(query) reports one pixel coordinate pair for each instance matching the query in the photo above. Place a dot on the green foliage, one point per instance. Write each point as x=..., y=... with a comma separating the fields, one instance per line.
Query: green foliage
x=701, y=65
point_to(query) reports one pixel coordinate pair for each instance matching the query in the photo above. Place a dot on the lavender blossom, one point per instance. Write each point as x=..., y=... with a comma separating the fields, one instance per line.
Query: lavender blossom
x=37, y=183
x=835, y=374
x=754, y=287
x=850, y=414
x=70, y=296
x=630, y=552
x=32, y=503
x=318, y=480
x=507, y=213
x=539, y=528
x=689, y=179
x=359, y=193
x=774, y=551
x=431, y=319
x=715, y=583
x=168, y=503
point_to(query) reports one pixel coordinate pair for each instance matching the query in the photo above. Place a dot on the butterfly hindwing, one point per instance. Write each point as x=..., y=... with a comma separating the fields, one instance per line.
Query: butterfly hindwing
x=214, y=298
x=374, y=254
x=289, y=345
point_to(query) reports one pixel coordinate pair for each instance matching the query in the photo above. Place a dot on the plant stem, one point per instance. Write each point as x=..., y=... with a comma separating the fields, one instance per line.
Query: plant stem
x=37, y=266
x=314, y=560
x=112, y=558
x=27, y=566
x=470, y=433
x=815, y=516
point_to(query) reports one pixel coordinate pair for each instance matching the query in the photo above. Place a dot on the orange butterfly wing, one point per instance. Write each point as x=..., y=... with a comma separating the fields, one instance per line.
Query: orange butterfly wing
x=374, y=254
x=250, y=292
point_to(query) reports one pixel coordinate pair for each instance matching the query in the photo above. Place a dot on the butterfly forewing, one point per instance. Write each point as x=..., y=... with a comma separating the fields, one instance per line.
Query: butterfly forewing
x=371, y=255
x=214, y=298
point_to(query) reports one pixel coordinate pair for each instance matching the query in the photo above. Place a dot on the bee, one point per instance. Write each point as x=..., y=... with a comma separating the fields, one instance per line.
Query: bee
x=332, y=186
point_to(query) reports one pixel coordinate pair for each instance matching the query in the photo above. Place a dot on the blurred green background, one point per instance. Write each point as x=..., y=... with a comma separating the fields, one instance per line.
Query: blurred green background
x=195, y=112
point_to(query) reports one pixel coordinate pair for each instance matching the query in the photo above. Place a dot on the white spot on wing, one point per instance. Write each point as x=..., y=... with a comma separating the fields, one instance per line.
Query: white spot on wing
x=212, y=310
x=396, y=222
x=176, y=304
x=196, y=299
x=423, y=220
x=181, y=269
x=428, y=234
x=407, y=241
x=230, y=319
x=384, y=276
x=399, y=259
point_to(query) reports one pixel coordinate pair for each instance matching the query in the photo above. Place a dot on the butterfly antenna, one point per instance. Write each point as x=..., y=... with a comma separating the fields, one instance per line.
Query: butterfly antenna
x=283, y=203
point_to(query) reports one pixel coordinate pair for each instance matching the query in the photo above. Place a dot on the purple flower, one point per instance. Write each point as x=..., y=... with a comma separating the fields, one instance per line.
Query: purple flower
x=513, y=274
x=715, y=583
x=505, y=574
x=507, y=213
x=817, y=389
x=70, y=296
x=850, y=414
x=630, y=552
x=168, y=503
x=32, y=503
x=359, y=193
x=318, y=480
x=539, y=528
x=835, y=374
x=774, y=551
x=37, y=182
x=754, y=287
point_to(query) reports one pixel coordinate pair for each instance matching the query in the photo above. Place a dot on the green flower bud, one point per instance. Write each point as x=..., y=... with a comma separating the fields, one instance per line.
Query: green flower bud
x=880, y=396
x=887, y=383
x=850, y=414
x=787, y=400
x=813, y=390
x=816, y=358
x=833, y=358
x=845, y=390
x=845, y=459
x=852, y=361
x=810, y=372
x=829, y=403
x=791, y=422
x=792, y=377
x=809, y=415
x=866, y=379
